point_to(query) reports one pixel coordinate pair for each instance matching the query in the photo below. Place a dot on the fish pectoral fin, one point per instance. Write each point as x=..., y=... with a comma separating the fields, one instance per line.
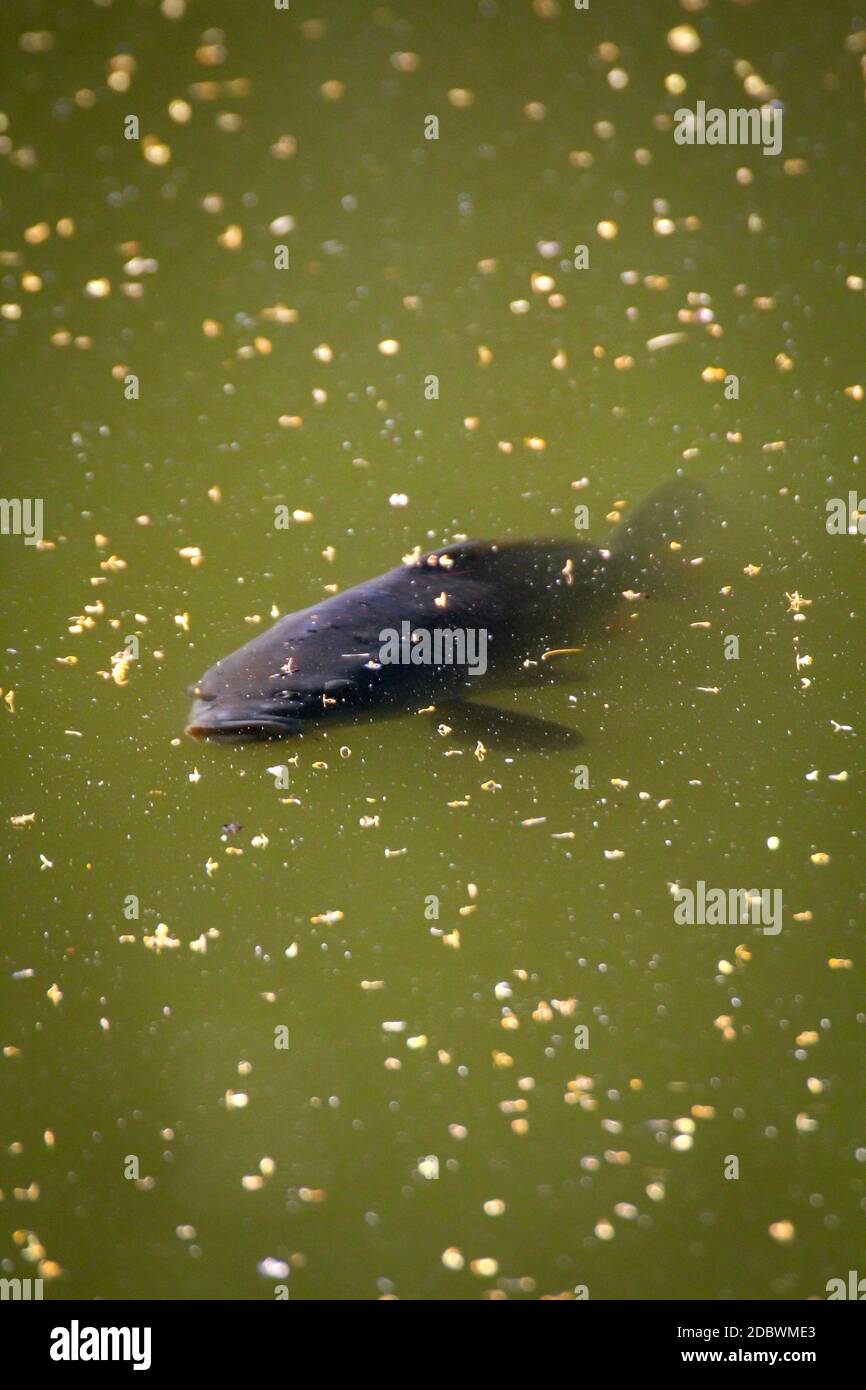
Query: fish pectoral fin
x=507, y=728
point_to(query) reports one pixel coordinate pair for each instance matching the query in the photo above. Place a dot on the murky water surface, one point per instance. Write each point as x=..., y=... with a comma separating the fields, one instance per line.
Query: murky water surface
x=509, y=1069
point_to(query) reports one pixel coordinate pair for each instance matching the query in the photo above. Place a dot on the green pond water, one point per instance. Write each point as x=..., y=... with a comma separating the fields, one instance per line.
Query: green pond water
x=554, y=1089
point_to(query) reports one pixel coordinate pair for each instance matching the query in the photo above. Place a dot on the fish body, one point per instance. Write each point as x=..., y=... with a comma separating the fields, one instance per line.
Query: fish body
x=506, y=600
x=406, y=637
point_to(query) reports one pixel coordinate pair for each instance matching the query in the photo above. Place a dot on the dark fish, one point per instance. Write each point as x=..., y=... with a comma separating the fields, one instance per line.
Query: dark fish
x=510, y=601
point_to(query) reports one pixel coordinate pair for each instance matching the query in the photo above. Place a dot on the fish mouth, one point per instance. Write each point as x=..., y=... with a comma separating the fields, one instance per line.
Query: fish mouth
x=238, y=730
x=209, y=723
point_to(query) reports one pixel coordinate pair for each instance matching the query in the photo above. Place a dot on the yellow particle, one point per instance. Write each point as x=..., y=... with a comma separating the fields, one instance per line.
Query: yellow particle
x=461, y=97
x=161, y=940
x=783, y=1231
x=36, y=41
x=211, y=55
x=389, y=347
x=607, y=230
x=120, y=664
x=405, y=62
x=333, y=90
x=452, y=1258
x=98, y=289
x=820, y=857
x=285, y=147
x=542, y=284
x=683, y=38
x=155, y=151
x=38, y=234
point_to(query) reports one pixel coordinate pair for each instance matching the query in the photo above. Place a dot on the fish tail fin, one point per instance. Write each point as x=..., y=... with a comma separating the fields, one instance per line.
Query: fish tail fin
x=644, y=543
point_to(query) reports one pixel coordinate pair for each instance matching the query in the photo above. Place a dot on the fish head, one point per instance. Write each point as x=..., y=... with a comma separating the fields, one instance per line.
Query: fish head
x=240, y=699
